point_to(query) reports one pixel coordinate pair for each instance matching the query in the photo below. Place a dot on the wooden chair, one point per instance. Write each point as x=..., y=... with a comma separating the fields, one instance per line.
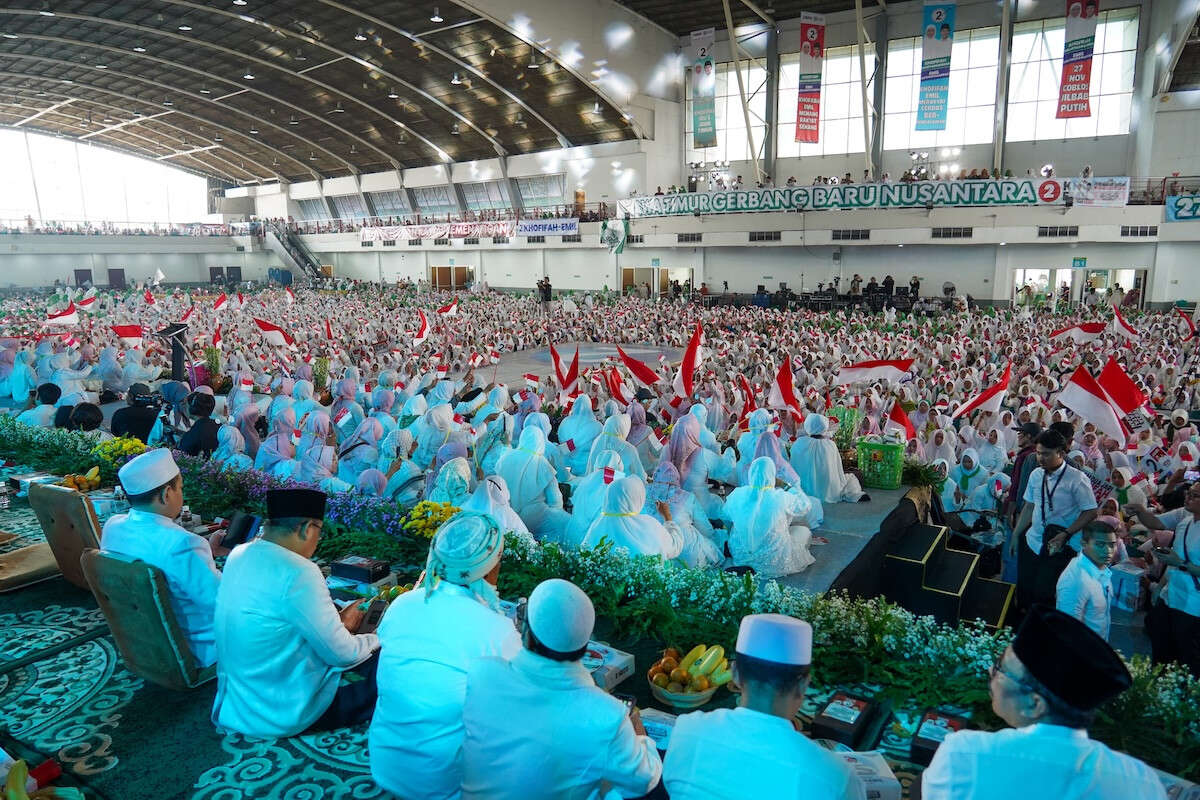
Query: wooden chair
x=137, y=604
x=70, y=525
x=26, y=566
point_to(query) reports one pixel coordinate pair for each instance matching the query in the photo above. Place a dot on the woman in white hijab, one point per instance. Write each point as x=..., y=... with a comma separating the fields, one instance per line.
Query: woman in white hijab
x=318, y=466
x=622, y=524
x=552, y=453
x=453, y=483
x=534, y=487
x=360, y=451
x=616, y=428
x=768, y=532
x=405, y=479
x=747, y=444
x=701, y=545
x=587, y=498
x=231, y=450
x=576, y=433
x=968, y=474
x=940, y=445
x=816, y=460
x=437, y=428
x=993, y=456
x=491, y=497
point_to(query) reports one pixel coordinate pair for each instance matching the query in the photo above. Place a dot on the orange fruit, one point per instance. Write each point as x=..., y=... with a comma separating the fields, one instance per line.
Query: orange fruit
x=700, y=683
x=655, y=671
x=672, y=652
x=668, y=663
x=674, y=688
x=679, y=675
x=660, y=680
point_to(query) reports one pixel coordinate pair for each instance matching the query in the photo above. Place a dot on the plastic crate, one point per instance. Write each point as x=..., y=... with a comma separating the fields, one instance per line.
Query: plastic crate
x=848, y=421
x=881, y=464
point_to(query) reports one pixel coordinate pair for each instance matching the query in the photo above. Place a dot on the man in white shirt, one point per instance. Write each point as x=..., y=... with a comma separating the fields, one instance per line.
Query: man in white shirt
x=42, y=415
x=1084, y=589
x=148, y=532
x=429, y=638
x=282, y=647
x=538, y=727
x=1059, y=500
x=1177, y=637
x=1047, y=685
x=755, y=750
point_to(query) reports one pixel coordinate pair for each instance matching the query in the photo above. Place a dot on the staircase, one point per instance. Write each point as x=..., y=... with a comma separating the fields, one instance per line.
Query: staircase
x=925, y=575
x=293, y=252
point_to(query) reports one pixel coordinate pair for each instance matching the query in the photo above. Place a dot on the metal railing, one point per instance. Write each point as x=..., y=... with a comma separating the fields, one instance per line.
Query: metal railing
x=28, y=225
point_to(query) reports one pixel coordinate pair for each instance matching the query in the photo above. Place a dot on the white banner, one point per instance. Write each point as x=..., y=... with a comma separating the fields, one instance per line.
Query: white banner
x=438, y=230
x=1113, y=192
x=548, y=227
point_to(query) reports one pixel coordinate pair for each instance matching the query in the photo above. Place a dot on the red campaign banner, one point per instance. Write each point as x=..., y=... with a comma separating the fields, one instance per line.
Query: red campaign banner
x=1078, y=45
x=812, y=56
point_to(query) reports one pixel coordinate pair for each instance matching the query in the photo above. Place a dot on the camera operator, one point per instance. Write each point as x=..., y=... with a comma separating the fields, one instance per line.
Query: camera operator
x=138, y=417
x=201, y=438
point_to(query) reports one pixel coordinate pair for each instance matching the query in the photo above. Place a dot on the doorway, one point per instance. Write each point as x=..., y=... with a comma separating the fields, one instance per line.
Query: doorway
x=1124, y=287
x=216, y=275
x=452, y=277
x=116, y=279
x=83, y=277
x=233, y=274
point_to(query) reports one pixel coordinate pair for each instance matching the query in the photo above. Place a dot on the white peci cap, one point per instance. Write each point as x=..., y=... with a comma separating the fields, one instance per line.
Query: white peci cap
x=775, y=637
x=560, y=615
x=148, y=471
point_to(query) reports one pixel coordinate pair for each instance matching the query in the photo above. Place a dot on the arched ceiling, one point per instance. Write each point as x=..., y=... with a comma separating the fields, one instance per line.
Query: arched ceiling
x=257, y=90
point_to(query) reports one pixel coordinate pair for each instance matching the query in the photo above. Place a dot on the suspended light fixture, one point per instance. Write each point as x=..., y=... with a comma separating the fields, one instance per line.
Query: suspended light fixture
x=533, y=62
x=253, y=131
x=338, y=108
x=300, y=55
x=353, y=149
x=239, y=2
x=293, y=120
x=360, y=37
x=249, y=75
x=45, y=11
x=312, y=156
x=167, y=101
x=185, y=27
x=392, y=94
x=101, y=66
x=455, y=80
x=436, y=17
x=596, y=107
x=204, y=90
x=10, y=36
x=217, y=138
x=454, y=130
x=107, y=117
x=139, y=49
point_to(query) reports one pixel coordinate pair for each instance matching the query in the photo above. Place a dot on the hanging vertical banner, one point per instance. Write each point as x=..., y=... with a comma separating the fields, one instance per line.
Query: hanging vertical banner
x=812, y=56
x=937, y=44
x=1076, y=82
x=704, y=90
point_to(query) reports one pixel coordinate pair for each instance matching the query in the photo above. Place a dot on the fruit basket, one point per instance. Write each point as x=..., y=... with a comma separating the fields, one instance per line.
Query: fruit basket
x=691, y=681
x=684, y=700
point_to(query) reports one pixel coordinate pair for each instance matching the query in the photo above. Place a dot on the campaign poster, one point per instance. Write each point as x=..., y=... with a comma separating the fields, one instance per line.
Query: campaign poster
x=704, y=90
x=812, y=56
x=937, y=44
x=1080, y=40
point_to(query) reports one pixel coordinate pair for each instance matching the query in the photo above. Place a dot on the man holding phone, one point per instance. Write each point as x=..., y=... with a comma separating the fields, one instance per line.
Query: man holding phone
x=1174, y=622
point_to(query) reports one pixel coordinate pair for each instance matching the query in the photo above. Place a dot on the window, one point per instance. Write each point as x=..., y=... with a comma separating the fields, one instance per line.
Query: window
x=1057, y=230
x=732, y=142
x=1037, y=50
x=486, y=195
x=499, y=240
x=366, y=243
x=841, y=104
x=1139, y=230
x=349, y=206
x=414, y=242
x=543, y=190
x=313, y=208
x=435, y=200
x=848, y=235
x=572, y=238
x=535, y=239
x=953, y=233
x=970, y=106
x=688, y=238
x=471, y=240
x=390, y=204
x=635, y=238
x=764, y=236
x=441, y=241
x=389, y=242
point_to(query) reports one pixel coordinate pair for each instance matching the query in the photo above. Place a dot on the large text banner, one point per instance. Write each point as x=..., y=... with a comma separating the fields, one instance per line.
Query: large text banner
x=1073, y=90
x=937, y=45
x=812, y=56
x=1183, y=208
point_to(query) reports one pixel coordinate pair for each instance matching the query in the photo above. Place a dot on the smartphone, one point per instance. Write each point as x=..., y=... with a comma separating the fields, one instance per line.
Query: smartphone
x=1191, y=475
x=1163, y=551
x=373, y=617
x=629, y=700
x=242, y=528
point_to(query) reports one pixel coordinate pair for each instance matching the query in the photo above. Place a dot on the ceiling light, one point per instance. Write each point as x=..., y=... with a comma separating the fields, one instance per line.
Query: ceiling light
x=107, y=118
x=493, y=52
x=533, y=62
x=402, y=139
x=1003, y=243
x=253, y=131
x=204, y=90
x=353, y=149
x=139, y=49
x=167, y=101
x=239, y=2
x=185, y=27
x=359, y=37
x=312, y=156
x=293, y=120
x=392, y=94
x=10, y=36
x=454, y=129
x=455, y=81
x=249, y=75
x=46, y=12
x=300, y=55
x=338, y=108
x=596, y=107
x=101, y=66
x=436, y=16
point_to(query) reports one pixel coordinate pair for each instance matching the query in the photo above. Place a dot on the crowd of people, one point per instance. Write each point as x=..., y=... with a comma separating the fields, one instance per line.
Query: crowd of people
x=729, y=466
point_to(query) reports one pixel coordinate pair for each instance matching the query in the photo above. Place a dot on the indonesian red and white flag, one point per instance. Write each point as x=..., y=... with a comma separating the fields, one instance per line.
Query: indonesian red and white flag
x=747, y=395
x=989, y=399
x=422, y=328
x=329, y=330
x=783, y=393
x=1083, y=332
x=532, y=381
x=240, y=301
x=640, y=371
x=216, y=337
x=130, y=335
x=1123, y=393
x=1123, y=328
x=683, y=383
x=494, y=357
x=188, y=314
x=68, y=316
x=88, y=300
x=616, y=387
x=273, y=334
x=560, y=374
x=450, y=309
x=291, y=296
x=1190, y=323
x=897, y=418
x=476, y=359
x=221, y=302
x=1083, y=395
x=873, y=370
x=570, y=385
x=149, y=298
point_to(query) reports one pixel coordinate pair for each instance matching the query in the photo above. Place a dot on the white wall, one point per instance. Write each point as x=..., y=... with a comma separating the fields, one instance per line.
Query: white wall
x=511, y=268
x=42, y=269
x=1176, y=133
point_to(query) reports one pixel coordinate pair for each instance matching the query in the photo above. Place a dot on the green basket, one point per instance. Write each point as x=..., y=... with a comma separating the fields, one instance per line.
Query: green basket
x=881, y=464
x=848, y=421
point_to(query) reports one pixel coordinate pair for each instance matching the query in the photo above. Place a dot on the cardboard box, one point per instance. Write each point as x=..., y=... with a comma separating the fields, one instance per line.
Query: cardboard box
x=845, y=718
x=608, y=665
x=659, y=725
x=360, y=568
x=935, y=726
x=876, y=776
x=21, y=483
x=1126, y=585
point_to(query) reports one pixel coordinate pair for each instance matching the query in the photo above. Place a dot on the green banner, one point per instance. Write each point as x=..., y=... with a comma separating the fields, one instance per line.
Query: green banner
x=704, y=102
x=924, y=194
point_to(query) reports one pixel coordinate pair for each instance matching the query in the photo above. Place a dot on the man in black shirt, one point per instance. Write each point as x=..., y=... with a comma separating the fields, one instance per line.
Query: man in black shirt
x=137, y=418
x=201, y=438
x=889, y=285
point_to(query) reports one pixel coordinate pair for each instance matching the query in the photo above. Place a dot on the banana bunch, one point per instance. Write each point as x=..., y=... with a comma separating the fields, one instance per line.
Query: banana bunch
x=83, y=483
x=14, y=787
x=703, y=668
